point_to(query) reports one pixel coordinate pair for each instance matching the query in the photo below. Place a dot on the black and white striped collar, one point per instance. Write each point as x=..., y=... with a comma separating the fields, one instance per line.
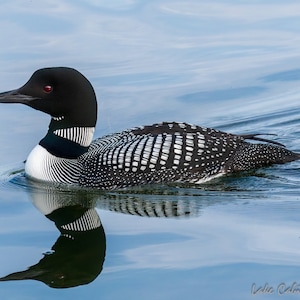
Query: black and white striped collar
x=68, y=143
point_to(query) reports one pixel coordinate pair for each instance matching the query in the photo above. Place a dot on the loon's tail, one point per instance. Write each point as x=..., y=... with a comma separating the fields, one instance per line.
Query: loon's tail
x=256, y=138
x=250, y=156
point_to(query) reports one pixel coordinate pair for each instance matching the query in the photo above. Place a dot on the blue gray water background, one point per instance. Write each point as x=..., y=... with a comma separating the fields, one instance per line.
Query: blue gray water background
x=231, y=65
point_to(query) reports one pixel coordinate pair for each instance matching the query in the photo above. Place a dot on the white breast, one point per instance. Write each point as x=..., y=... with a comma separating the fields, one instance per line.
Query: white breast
x=42, y=165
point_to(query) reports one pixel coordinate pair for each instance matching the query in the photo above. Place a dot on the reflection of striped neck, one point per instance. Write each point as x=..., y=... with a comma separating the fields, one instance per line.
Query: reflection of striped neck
x=89, y=220
x=68, y=142
x=67, y=214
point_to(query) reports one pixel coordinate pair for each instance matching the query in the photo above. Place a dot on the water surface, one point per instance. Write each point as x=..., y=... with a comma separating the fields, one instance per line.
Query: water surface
x=229, y=65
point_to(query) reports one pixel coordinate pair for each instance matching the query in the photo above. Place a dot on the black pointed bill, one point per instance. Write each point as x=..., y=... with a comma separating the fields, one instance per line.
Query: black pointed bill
x=15, y=96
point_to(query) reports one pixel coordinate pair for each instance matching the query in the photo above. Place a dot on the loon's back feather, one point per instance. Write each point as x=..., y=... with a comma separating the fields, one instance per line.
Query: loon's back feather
x=168, y=152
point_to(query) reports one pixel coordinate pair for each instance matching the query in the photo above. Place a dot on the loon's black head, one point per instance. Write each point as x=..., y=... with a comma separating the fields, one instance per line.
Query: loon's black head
x=62, y=92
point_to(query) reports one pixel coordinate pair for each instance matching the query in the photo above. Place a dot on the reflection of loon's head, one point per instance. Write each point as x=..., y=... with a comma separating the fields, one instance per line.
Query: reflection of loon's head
x=74, y=261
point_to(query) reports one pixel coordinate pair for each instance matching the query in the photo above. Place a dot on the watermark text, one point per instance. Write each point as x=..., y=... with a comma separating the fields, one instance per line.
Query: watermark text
x=280, y=289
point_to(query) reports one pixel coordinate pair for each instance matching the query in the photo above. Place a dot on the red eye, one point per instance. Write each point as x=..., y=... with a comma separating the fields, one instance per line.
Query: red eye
x=48, y=88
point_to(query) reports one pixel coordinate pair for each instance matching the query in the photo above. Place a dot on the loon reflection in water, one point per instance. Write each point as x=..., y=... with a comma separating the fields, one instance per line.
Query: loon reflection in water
x=78, y=255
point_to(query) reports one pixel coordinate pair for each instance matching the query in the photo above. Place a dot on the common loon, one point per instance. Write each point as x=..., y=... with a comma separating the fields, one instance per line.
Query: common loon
x=160, y=153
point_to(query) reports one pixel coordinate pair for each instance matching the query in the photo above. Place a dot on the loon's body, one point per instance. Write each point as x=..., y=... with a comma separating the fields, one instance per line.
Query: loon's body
x=160, y=153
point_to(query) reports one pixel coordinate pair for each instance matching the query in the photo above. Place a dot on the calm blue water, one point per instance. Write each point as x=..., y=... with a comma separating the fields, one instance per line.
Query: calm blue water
x=232, y=65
